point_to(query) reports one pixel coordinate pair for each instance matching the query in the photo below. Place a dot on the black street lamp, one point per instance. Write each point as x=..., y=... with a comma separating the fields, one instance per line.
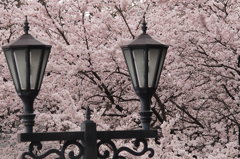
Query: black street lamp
x=145, y=57
x=27, y=59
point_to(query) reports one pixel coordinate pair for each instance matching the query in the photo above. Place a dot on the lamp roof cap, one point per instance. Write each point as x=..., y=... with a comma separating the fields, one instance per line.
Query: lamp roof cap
x=26, y=40
x=144, y=40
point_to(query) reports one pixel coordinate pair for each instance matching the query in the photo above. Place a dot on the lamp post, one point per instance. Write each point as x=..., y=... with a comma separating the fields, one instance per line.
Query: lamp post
x=145, y=57
x=27, y=59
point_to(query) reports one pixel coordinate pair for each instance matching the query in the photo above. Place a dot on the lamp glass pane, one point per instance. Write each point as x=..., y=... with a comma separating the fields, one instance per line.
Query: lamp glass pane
x=35, y=61
x=10, y=61
x=129, y=61
x=139, y=59
x=162, y=59
x=43, y=66
x=21, y=64
x=153, y=57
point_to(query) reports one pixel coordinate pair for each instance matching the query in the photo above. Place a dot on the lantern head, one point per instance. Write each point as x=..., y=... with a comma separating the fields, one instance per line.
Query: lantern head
x=144, y=57
x=27, y=58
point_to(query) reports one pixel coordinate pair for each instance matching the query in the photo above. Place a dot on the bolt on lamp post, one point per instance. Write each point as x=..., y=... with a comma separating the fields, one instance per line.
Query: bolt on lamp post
x=145, y=57
x=27, y=59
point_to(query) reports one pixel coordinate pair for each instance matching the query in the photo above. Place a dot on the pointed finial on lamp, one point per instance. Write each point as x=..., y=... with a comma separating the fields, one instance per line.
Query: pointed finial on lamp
x=88, y=113
x=26, y=26
x=144, y=25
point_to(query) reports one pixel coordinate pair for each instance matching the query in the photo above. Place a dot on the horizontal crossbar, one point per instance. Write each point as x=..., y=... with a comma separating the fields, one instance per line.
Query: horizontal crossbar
x=79, y=135
x=50, y=136
x=127, y=134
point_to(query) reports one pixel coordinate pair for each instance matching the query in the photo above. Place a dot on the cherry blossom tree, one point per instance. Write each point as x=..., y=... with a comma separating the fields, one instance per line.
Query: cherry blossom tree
x=196, y=106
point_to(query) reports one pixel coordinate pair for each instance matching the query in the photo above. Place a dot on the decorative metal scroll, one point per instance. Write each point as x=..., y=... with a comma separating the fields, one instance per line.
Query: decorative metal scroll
x=116, y=151
x=61, y=153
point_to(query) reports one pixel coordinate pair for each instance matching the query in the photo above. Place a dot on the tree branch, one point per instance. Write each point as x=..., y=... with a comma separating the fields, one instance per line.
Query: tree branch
x=124, y=19
x=162, y=107
x=229, y=94
x=58, y=29
x=188, y=114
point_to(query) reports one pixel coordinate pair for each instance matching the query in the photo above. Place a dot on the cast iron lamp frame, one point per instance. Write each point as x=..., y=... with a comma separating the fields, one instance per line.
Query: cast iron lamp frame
x=88, y=140
x=27, y=59
x=140, y=55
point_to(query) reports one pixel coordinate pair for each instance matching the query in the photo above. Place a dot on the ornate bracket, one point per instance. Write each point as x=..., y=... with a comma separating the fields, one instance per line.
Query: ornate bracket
x=62, y=153
x=116, y=152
